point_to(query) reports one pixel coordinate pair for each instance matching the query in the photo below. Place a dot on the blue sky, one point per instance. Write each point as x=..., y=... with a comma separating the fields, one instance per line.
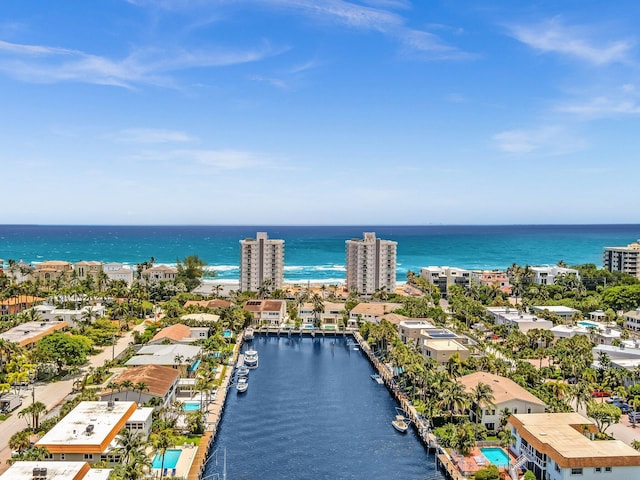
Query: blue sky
x=319, y=112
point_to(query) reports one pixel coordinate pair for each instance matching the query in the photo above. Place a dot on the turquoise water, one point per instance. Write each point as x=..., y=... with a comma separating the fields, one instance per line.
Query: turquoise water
x=497, y=456
x=190, y=406
x=227, y=334
x=587, y=324
x=170, y=459
x=318, y=253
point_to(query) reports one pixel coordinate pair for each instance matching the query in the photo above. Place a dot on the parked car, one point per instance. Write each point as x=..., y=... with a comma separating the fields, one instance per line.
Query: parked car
x=624, y=407
x=597, y=393
x=614, y=399
x=634, y=417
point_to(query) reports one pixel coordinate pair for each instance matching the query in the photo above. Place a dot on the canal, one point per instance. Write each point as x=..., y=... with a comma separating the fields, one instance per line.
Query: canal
x=312, y=412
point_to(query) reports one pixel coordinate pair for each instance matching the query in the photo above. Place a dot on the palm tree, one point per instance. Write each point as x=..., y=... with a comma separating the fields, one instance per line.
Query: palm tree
x=128, y=444
x=161, y=441
x=140, y=387
x=482, y=396
x=318, y=308
x=126, y=385
x=20, y=441
x=33, y=413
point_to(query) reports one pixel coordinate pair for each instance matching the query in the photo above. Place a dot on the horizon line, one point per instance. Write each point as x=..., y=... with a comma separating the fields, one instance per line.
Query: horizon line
x=317, y=225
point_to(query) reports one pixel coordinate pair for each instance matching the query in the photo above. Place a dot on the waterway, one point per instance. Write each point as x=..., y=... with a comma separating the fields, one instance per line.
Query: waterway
x=313, y=412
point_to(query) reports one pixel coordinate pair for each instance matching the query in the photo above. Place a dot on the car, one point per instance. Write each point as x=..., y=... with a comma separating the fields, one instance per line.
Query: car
x=599, y=393
x=624, y=407
x=614, y=399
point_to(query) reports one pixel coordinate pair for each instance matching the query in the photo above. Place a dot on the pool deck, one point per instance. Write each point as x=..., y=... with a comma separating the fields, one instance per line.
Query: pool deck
x=187, y=455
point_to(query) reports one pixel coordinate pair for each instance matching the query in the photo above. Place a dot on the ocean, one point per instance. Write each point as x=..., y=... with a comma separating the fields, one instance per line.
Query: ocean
x=316, y=254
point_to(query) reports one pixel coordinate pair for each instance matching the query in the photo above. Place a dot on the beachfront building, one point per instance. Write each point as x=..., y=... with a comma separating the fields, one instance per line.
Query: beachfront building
x=180, y=333
x=159, y=273
x=183, y=358
x=261, y=260
x=117, y=271
x=445, y=277
x=410, y=329
x=562, y=446
x=371, y=264
x=370, y=312
x=159, y=382
x=329, y=318
x=50, y=271
x=89, y=431
x=44, y=470
x=546, y=275
x=272, y=313
x=623, y=259
x=84, y=269
x=632, y=320
x=29, y=333
x=492, y=278
x=212, y=304
x=506, y=394
x=518, y=319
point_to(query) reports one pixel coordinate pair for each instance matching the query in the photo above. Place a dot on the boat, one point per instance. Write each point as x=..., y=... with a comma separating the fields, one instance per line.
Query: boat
x=377, y=378
x=248, y=334
x=400, y=424
x=242, y=371
x=242, y=385
x=251, y=358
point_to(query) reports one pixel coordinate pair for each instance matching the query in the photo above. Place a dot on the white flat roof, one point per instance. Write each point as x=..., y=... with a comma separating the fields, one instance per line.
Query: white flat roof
x=72, y=429
x=141, y=414
x=556, y=309
x=56, y=471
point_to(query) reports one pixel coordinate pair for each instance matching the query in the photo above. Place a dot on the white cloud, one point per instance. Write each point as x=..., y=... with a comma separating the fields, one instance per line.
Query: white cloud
x=602, y=107
x=544, y=141
x=150, y=135
x=555, y=37
x=217, y=159
x=46, y=64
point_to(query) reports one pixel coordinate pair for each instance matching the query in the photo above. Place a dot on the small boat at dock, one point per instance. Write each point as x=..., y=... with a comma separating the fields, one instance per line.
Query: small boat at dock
x=248, y=334
x=251, y=358
x=400, y=424
x=242, y=371
x=377, y=378
x=242, y=385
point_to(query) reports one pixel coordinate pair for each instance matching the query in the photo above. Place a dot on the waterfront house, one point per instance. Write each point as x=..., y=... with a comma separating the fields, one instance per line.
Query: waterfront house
x=445, y=277
x=161, y=383
x=518, y=319
x=330, y=316
x=85, y=269
x=410, y=329
x=159, y=273
x=44, y=470
x=442, y=349
x=50, y=271
x=117, y=271
x=205, y=319
x=492, y=278
x=370, y=312
x=272, y=313
x=506, y=393
x=215, y=303
x=184, y=358
x=561, y=446
x=88, y=432
x=546, y=275
x=29, y=333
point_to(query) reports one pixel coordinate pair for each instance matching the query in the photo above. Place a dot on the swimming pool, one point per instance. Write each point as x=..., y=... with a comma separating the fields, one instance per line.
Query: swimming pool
x=170, y=459
x=495, y=455
x=191, y=406
x=227, y=334
x=588, y=324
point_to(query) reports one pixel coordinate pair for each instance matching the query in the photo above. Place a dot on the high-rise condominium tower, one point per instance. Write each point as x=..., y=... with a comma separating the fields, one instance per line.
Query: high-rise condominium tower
x=261, y=260
x=623, y=259
x=371, y=264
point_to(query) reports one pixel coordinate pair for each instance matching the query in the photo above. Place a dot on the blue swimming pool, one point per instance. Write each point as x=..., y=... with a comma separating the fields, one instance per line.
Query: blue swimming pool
x=191, y=406
x=495, y=455
x=227, y=334
x=588, y=324
x=170, y=459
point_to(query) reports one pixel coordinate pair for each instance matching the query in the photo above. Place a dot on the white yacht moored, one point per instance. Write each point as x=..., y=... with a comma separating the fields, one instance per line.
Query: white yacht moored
x=248, y=334
x=242, y=385
x=400, y=424
x=251, y=358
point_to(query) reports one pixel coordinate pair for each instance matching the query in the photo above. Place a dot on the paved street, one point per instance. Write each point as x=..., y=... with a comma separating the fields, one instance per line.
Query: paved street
x=53, y=394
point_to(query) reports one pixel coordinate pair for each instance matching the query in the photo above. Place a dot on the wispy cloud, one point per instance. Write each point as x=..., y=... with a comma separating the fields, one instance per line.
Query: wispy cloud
x=553, y=36
x=216, y=159
x=47, y=64
x=604, y=106
x=149, y=135
x=545, y=141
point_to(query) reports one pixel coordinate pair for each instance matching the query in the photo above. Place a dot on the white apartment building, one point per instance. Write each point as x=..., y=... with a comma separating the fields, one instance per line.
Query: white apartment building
x=561, y=446
x=371, y=264
x=261, y=260
x=623, y=259
x=44, y=470
x=445, y=277
x=547, y=274
x=632, y=320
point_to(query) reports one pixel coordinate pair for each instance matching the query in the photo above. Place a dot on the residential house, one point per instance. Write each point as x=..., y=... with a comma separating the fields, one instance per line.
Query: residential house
x=184, y=358
x=29, y=333
x=86, y=269
x=507, y=394
x=89, y=431
x=492, y=278
x=45, y=470
x=179, y=333
x=370, y=312
x=562, y=446
x=215, y=303
x=517, y=318
x=546, y=275
x=50, y=313
x=330, y=316
x=445, y=277
x=50, y=271
x=18, y=303
x=161, y=383
x=272, y=313
x=567, y=314
x=442, y=349
x=410, y=329
x=632, y=320
x=159, y=273
x=117, y=271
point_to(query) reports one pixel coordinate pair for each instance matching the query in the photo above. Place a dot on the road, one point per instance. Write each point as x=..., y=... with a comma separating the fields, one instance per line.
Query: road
x=53, y=394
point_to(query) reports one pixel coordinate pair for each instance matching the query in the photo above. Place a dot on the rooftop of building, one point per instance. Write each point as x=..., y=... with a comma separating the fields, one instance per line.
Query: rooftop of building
x=374, y=308
x=265, y=305
x=560, y=436
x=31, y=331
x=56, y=471
x=175, y=332
x=444, y=344
x=164, y=354
x=157, y=378
x=504, y=389
x=558, y=309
